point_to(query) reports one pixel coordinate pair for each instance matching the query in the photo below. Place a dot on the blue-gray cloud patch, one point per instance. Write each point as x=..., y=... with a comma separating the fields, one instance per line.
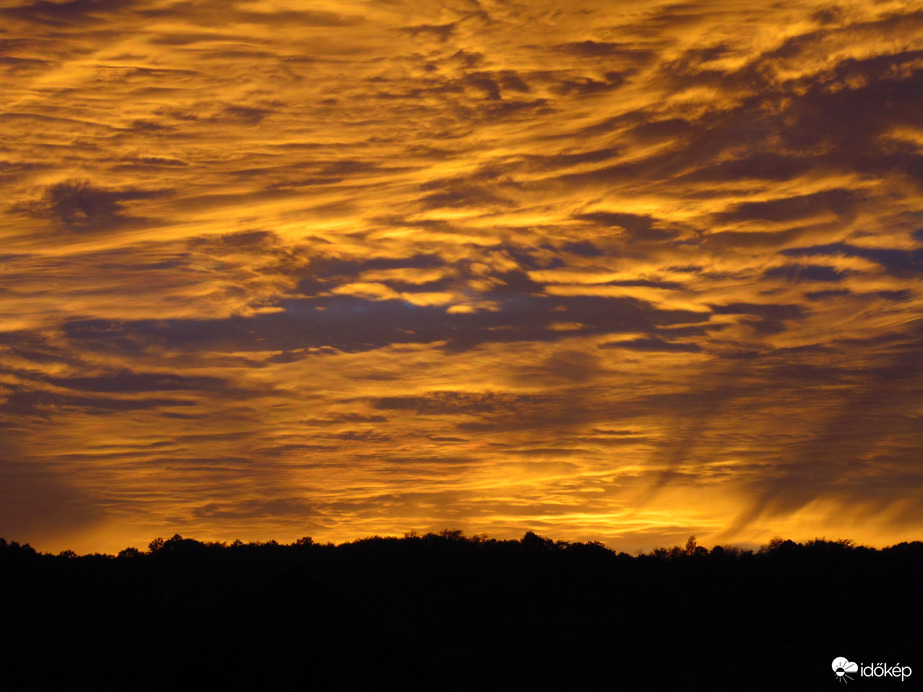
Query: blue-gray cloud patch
x=653, y=345
x=898, y=262
x=81, y=207
x=806, y=272
x=356, y=324
x=842, y=202
x=63, y=14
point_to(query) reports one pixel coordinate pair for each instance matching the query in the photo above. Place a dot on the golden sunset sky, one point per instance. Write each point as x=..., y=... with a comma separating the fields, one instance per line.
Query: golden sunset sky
x=617, y=271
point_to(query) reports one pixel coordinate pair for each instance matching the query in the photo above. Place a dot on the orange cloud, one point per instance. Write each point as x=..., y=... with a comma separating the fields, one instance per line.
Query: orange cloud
x=623, y=273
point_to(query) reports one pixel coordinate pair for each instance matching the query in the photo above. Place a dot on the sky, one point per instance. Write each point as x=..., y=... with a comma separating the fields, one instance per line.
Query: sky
x=623, y=272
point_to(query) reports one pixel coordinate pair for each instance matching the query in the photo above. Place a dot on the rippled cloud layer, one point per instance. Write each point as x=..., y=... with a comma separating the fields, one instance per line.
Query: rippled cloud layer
x=621, y=272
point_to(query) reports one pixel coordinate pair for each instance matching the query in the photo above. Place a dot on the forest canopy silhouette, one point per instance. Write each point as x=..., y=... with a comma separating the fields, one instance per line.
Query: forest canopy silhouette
x=449, y=611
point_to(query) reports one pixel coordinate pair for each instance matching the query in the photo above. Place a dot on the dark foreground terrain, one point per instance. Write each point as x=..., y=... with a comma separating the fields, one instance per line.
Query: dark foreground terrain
x=446, y=612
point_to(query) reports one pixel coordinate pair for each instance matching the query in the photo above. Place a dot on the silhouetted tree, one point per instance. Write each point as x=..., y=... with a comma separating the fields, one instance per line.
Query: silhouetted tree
x=445, y=611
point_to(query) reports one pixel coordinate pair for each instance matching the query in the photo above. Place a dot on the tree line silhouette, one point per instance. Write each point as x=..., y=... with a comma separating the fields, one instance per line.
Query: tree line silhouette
x=445, y=611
